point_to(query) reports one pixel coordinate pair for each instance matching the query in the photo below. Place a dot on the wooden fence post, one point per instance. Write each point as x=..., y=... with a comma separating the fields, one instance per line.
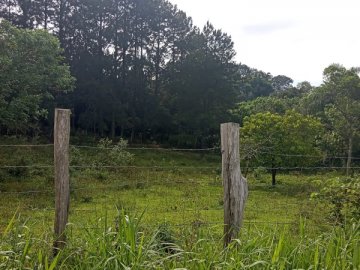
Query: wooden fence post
x=62, y=183
x=235, y=186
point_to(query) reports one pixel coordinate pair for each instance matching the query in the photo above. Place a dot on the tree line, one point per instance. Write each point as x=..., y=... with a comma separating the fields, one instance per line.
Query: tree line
x=143, y=70
x=140, y=69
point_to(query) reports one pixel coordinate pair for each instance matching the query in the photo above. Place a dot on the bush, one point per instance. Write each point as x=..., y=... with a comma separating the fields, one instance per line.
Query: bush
x=108, y=154
x=343, y=197
x=117, y=154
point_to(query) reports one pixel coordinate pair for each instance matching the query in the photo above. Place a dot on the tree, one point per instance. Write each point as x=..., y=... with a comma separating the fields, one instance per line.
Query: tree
x=304, y=87
x=343, y=88
x=272, y=104
x=337, y=102
x=32, y=74
x=201, y=86
x=280, y=140
x=253, y=83
x=7, y=8
x=281, y=83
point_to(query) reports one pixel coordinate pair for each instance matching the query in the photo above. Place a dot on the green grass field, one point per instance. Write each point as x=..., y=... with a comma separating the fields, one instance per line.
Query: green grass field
x=176, y=196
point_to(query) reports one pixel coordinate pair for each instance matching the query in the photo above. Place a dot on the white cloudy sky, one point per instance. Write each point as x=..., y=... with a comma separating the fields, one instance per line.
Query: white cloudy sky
x=296, y=38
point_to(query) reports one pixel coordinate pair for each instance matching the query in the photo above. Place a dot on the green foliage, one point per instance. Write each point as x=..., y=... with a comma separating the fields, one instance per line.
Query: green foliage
x=117, y=155
x=337, y=103
x=20, y=171
x=343, y=197
x=108, y=157
x=128, y=247
x=273, y=140
x=253, y=83
x=202, y=86
x=259, y=173
x=32, y=73
x=270, y=104
x=165, y=238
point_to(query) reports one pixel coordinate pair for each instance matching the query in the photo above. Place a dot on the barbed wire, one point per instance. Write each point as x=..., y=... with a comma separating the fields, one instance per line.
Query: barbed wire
x=111, y=148
x=181, y=167
x=301, y=168
x=27, y=192
x=200, y=223
x=147, y=148
x=300, y=155
x=321, y=157
x=170, y=208
x=143, y=167
x=195, y=222
x=25, y=166
x=125, y=185
x=26, y=145
x=149, y=182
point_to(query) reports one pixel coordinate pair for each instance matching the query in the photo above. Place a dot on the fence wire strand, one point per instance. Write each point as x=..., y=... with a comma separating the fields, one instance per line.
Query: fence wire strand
x=178, y=167
x=323, y=157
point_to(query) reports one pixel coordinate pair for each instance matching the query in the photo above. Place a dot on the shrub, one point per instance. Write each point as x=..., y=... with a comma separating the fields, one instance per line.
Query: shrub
x=343, y=197
x=107, y=154
x=117, y=154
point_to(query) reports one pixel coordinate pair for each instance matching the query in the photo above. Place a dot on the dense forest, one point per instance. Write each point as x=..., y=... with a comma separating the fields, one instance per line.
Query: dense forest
x=140, y=69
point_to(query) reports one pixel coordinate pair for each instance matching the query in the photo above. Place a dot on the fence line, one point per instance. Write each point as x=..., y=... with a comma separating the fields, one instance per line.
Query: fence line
x=272, y=207
x=153, y=210
x=170, y=209
x=142, y=167
x=303, y=168
x=25, y=166
x=207, y=224
x=26, y=145
x=110, y=148
x=127, y=184
x=113, y=167
x=176, y=167
x=179, y=150
x=51, y=191
x=310, y=156
x=196, y=223
x=148, y=148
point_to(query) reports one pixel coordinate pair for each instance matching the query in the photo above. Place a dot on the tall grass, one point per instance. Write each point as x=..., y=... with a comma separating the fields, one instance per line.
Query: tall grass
x=125, y=245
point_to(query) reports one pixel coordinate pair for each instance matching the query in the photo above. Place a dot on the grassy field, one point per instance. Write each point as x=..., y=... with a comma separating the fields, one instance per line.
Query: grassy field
x=177, y=198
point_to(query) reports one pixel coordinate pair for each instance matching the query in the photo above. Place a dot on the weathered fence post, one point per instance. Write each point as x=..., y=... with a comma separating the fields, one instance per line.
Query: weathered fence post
x=62, y=183
x=235, y=186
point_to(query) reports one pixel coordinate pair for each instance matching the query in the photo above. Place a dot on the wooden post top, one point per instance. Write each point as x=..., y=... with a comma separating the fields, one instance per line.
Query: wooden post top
x=63, y=110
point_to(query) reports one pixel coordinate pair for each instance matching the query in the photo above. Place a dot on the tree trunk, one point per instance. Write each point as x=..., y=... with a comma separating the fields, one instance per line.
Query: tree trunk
x=9, y=11
x=113, y=125
x=61, y=22
x=45, y=15
x=157, y=66
x=348, y=162
x=273, y=176
x=132, y=135
x=122, y=131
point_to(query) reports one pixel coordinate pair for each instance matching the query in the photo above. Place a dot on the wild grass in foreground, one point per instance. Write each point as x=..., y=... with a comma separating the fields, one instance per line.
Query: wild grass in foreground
x=127, y=245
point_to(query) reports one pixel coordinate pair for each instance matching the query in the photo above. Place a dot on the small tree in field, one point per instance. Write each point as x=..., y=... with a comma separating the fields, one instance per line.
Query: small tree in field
x=280, y=140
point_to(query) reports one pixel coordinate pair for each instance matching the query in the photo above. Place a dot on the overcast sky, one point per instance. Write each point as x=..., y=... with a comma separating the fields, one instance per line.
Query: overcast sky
x=296, y=38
